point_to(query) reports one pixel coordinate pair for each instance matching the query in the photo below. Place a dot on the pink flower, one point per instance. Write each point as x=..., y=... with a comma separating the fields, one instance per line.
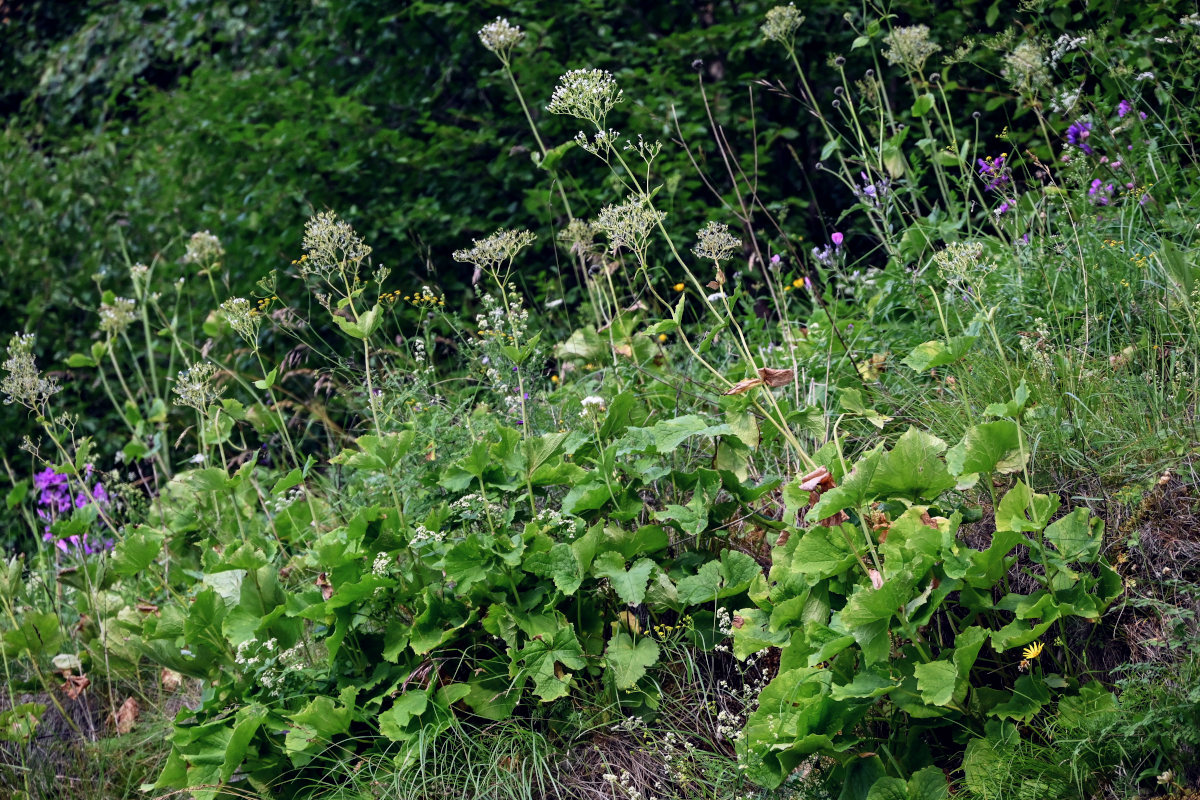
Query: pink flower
x=837, y=239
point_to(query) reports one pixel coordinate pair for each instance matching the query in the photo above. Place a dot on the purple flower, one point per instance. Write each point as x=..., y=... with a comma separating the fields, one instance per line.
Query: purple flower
x=1003, y=207
x=994, y=171
x=837, y=239
x=775, y=260
x=1123, y=108
x=1100, y=193
x=56, y=499
x=1078, y=135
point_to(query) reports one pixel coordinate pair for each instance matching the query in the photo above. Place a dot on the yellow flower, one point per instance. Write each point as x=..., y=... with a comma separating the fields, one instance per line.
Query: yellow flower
x=678, y=287
x=1033, y=651
x=662, y=337
x=554, y=379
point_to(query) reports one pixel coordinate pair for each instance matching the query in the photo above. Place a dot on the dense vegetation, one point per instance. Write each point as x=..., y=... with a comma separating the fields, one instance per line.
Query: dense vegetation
x=385, y=423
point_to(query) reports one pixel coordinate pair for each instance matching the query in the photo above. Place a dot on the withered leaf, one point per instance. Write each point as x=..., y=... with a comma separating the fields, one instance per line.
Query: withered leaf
x=744, y=385
x=325, y=586
x=777, y=377
x=75, y=685
x=126, y=716
x=170, y=679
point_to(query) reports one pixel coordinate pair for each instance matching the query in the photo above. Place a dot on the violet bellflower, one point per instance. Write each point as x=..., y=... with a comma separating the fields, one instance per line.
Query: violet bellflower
x=55, y=499
x=1078, y=133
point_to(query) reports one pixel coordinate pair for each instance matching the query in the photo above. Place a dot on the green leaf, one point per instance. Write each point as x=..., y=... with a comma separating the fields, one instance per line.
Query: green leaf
x=1023, y=510
x=249, y=719
x=268, y=381
x=823, y=552
x=629, y=661
x=380, y=453
x=716, y=579
x=888, y=788
x=913, y=469
x=1077, y=536
x=867, y=683
x=987, y=448
x=935, y=682
x=923, y=105
x=852, y=402
x=853, y=491
x=17, y=493
x=935, y=353
x=137, y=550
x=546, y=660
x=77, y=360
x=1013, y=407
x=629, y=585
x=210, y=479
x=394, y=723
x=663, y=437
x=928, y=784
x=561, y=564
x=1028, y=696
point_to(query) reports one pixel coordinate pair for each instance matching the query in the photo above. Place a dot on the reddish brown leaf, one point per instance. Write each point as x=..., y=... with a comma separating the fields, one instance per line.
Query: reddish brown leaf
x=126, y=716
x=75, y=685
x=777, y=377
x=170, y=680
x=325, y=586
x=745, y=385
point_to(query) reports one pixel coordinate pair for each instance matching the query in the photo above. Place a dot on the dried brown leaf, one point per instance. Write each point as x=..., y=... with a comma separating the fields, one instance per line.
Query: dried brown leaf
x=777, y=377
x=126, y=716
x=744, y=385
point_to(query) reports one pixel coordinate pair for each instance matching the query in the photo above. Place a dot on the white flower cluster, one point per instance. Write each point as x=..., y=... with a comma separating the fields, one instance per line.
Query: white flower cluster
x=194, y=386
x=265, y=663
x=116, y=316
x=715, y=242
x=501, y=37
x=1065, y=44
x=782, y=24
x=243, y=318
x=910, y=46
x=23, y=382
x=203, y=249
x=1025, y=67
x=629, y=224
x=501, y=247
x=587, y=94
x=600, y=144
x=593, y=407
x=381, y=564
x=331, y=246
x=962, y=261
x=421, y=535
x=280, y=504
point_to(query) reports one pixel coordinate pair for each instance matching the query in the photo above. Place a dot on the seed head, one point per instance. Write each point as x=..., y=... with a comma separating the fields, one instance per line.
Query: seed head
x=501, y=247
x=115, y=317
x=332, y=246
x=782, y=24
x=961, y=261
x=1025, y=67
x=587, y=94
x=629, y=224
x=500, y=37
x=910, y=47
x=23, y=382
x=714, y=241
x=194, y=386
x=203, y=249
x=243, y=318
